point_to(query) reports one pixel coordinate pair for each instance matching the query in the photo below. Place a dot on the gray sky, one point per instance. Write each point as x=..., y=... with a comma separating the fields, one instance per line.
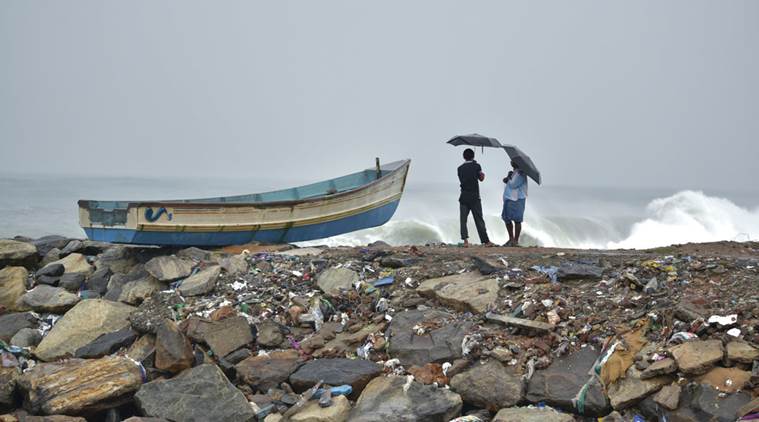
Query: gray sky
x=644, y=93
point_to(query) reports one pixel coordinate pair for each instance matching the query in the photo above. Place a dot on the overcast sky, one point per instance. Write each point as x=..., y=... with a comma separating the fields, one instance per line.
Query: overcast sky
x=644, y=93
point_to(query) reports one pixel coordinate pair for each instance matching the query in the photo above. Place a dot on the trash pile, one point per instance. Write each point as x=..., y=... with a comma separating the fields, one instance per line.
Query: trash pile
x=93, y=331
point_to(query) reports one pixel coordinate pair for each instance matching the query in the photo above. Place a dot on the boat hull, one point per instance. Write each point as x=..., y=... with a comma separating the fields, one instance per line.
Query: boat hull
x=371, y=218
x=336, y=206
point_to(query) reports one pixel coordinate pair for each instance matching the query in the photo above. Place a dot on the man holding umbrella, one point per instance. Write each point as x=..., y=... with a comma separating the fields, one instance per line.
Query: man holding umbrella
x=470, y=176
x=514, y=198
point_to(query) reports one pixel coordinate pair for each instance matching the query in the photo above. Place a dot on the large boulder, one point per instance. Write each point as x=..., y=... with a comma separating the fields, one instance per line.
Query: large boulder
x=267, y=371
x=532, y=414
x=118, y=259
x=397, y=398
x=355, y=372
x=76, y=386
x=173, y=349
x=17, y=253
x=8, y=378
x=169, y=268
x=74, y=263
x=440, y=343
x=85, y=322
x=12, y=286
x=560, y=383
x=464, y=292
x=199, y=394
x=742, y=352
x=489, y=385
x=234, y=265
x=579, y=271
x=44, y=298
x=10, y=324
x=697, y=402
x=27, y=337
x=46, y=244
x=335, y=281
x=696, y=357
x=200, y=283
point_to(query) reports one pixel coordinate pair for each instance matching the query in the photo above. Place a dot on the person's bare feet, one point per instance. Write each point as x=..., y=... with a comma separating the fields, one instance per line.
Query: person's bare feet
x=489, y=245
x=466, y=243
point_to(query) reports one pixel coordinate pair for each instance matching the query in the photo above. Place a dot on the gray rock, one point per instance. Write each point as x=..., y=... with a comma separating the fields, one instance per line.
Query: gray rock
x=269, y=334
x=579, y=271
x=107, y=344
x=73, y=246
x=72, y=281
x=51, y=256
x=489, y=385
x=469, y=291
x=44, y=298
x=173, y=350
x=698, y=402
x=355, y=372
x=48, y=280
x=488, y=264
x=74, y=263
x=338, y=411
x=268, y=371
x=27, y=337
x=661, y=367
x=10, y=324
x=135, y=292
x=196, y=254
x=98, y=281
x=398, y=261
x=631, y=389
x=438, y=345
x=742, y=352
x=169, y=268
x=200, y=283
x=235, y=265
x=81, y=325
x=696, y=357
x=47, y=243
x=560, y=383
x=12, y=287
x=334, y=281
x=669, y=396
x=228, y=335
x=52, y=270
x=532, y=414
x=385, y=399
x=238, y=356
x=8, y=379
x=199, y=394
x=15, y=253
x=117, y=259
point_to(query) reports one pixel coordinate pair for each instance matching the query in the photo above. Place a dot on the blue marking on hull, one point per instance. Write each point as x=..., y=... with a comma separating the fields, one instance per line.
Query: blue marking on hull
x=371, y=218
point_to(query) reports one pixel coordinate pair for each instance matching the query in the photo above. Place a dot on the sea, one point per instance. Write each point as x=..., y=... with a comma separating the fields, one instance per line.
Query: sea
x=555, y=216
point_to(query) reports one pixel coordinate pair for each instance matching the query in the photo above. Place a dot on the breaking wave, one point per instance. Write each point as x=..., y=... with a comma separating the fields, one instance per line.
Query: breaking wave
x=687, y=216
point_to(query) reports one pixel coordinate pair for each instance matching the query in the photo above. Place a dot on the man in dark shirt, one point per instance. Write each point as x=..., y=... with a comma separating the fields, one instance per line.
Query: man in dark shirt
x=470, y=176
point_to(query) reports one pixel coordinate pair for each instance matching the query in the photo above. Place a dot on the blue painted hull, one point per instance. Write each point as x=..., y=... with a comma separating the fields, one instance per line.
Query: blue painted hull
x=371, y=218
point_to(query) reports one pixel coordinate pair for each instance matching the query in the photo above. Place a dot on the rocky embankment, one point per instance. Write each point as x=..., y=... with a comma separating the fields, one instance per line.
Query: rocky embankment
x=92, y=331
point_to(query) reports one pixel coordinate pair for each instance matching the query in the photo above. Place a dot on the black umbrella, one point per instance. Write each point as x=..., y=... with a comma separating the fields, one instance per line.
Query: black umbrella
x=516, y=155
x=475, y=140
x=523, y=161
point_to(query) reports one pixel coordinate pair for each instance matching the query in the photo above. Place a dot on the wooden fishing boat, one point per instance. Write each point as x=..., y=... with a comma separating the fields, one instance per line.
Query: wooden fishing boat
x=357, y=201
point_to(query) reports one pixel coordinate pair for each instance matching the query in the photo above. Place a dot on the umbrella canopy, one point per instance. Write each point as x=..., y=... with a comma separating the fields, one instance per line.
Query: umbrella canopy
x=475, y=140
x=523, y=161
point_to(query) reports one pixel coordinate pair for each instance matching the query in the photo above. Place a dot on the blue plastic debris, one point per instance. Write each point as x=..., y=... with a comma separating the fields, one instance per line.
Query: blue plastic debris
x=340, y=390
x=551, y=272
x=383, y=281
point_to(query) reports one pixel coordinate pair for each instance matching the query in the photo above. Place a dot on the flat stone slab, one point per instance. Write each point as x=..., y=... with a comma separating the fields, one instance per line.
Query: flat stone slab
x=202, y=393
x=200, y=283
x=439, y=342
x=660, y=367
x=334, y=281
x=521, y=323
x=396, y=398
x=169, y=268
x=631, y=389
x=531, y=414
x=44, y=298
x=464, y=292
x=696, y=357
x=489, y=385
x=739, y=351
x=355, y=372
x=228, y=335
x=268, y=371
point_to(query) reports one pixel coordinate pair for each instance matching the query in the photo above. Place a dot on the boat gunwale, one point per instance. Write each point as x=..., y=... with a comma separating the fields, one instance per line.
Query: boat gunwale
x=404, y=164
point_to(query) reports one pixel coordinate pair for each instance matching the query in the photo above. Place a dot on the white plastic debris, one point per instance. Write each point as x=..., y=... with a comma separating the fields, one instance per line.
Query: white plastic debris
x=547, y=302
x=407, y=385
x=446, y=367
x=723, y=320
x=734, y=332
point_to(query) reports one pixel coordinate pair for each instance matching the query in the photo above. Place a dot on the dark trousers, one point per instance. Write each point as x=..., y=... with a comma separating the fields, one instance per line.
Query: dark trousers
x=475, y=206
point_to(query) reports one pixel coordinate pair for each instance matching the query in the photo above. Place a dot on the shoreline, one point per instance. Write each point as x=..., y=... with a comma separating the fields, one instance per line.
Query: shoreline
x=484, y=331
